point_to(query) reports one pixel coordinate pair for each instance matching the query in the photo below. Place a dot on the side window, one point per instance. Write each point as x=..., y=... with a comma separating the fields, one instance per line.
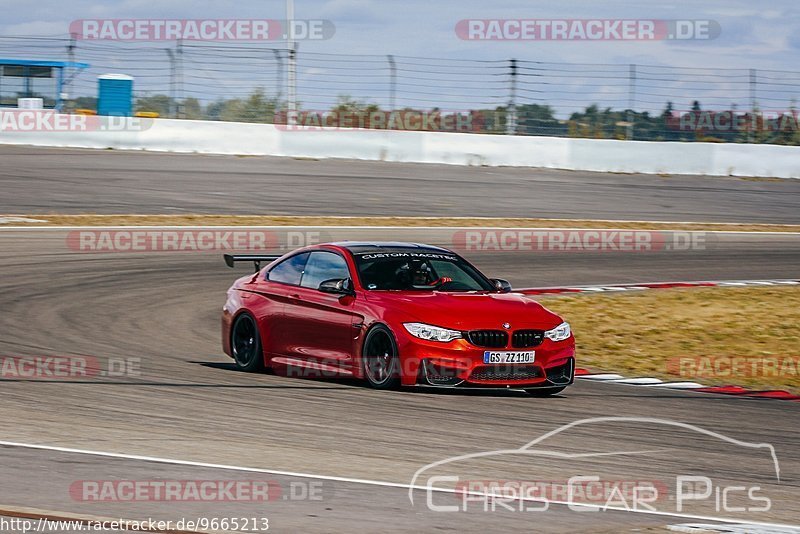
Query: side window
x=289, y=271
x=323, y=266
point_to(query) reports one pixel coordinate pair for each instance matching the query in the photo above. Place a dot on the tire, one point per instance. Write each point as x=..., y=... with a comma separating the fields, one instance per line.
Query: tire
x=545, y=392
x=246, y=344
x=380, y=359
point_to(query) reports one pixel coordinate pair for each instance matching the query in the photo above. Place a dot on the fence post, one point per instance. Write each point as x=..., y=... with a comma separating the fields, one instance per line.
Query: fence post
x=176, y=110
x=631, y=101
x=181, y=98
x=392, y=82
x=172, y=79
x=511, y=112
x=64, y=94
x=753, y=106
x=278, y=77
x=291, y=106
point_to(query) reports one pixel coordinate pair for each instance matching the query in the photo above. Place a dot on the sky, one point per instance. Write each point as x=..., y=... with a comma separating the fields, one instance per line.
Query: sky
x=754, y=34
x=761, y=35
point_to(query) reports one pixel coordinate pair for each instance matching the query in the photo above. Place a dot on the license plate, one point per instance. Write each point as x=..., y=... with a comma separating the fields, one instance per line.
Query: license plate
x=508, y=356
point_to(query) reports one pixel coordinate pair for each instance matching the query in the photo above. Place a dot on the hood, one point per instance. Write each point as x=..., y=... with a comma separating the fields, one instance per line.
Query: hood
x=469, y=311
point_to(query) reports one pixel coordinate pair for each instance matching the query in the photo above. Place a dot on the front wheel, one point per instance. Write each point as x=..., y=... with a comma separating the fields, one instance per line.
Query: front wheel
x=545, y=392
x=246, y=344
x=380, y=359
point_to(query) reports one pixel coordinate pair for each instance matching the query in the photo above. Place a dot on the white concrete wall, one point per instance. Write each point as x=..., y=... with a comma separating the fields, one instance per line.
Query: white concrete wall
x=166, y=135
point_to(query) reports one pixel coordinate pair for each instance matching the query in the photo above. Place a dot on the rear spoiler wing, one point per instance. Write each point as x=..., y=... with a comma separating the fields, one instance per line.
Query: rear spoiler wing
x=232, y=259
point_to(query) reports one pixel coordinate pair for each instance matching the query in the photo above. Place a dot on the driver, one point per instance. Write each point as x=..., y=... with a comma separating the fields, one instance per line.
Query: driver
x=422, y=275
x=418, y=274
x=413, y=273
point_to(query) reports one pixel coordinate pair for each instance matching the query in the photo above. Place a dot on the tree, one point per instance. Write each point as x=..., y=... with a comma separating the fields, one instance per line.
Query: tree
x=255, y=108
x=192, y=109
x=83, y=102
x=538, y=119
x=349, y=112
x=668, y=110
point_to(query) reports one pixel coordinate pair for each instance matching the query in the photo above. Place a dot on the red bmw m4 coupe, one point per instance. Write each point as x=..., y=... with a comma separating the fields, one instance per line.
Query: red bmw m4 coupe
x=393, y=314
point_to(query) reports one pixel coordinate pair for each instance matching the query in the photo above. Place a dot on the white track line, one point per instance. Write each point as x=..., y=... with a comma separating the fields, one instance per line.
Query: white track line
x=677, y=385
x=744, y=528
x=362, y=481
x=6, y=220
x=652, y=382
x=601, y=377
x=639, y=286
x=643, y=381
x=613, y=378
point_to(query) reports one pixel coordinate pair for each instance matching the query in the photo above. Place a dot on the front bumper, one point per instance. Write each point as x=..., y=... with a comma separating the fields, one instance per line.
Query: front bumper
x=459, y=363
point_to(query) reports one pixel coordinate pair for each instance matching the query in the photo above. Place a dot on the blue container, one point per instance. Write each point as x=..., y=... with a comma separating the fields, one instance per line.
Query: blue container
x=115, y=95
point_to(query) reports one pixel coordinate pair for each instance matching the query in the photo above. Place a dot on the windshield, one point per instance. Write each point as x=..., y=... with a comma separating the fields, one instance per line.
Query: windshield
x=418, y=271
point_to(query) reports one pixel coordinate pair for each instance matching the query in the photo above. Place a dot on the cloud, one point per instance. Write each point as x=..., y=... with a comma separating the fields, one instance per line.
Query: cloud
x=753, y=36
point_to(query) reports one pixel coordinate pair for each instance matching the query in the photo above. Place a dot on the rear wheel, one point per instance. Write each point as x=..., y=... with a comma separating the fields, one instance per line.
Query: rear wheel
x=380, y=359
x=545, y=392
x=246, y=344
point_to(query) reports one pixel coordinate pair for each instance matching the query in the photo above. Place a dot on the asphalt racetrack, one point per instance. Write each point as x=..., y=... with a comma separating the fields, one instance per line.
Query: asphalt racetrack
x=362, y=448
x=42, y=180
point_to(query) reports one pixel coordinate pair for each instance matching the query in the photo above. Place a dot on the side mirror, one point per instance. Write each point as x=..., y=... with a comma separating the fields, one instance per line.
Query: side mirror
x=337, y=286
x=501, y=285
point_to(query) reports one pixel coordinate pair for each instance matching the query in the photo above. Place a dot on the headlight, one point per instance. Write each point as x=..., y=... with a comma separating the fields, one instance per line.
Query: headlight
x=431, y=333
x=559, y=333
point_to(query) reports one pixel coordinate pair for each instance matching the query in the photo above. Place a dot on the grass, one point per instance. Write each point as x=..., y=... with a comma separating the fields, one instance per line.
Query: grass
x=458, y=222
x=648, y=333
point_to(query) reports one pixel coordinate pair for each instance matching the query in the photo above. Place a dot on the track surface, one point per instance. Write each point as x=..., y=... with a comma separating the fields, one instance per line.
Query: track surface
x=190, y=404
x=38, y=180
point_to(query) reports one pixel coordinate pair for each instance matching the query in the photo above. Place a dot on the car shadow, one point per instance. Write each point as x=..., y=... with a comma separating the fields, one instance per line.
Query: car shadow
x=344, y=383
x=361, y=384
